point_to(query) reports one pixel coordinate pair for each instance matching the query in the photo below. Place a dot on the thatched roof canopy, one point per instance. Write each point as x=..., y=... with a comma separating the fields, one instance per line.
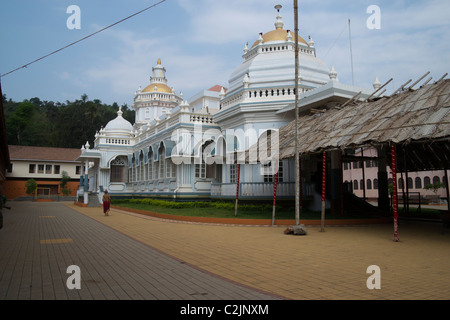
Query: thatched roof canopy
x=419, y=119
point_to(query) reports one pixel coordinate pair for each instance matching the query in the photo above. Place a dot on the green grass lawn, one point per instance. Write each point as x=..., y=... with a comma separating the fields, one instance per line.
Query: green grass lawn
x=422, y=211
x=221, y=209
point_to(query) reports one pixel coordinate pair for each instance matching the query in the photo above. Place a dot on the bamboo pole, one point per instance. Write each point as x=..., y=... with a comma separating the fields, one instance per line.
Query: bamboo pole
x=394, y=187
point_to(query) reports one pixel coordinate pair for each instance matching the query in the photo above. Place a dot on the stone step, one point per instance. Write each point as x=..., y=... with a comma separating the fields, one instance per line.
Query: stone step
x=93, y=201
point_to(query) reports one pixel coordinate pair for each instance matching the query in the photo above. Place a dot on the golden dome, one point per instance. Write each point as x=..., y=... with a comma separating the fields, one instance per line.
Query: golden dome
x=278, y=35
x=160, y=87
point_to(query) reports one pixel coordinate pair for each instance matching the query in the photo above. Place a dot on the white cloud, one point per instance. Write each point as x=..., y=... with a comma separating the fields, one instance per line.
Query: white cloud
x=132, y=66
x=414, y=39
x=222, y=22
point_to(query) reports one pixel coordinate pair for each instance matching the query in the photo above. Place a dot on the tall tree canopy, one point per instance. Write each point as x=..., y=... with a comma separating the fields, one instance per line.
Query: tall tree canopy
x=64, y=125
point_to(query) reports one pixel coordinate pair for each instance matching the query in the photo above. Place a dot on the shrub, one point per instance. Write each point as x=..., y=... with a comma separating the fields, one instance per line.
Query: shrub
x=195, y=204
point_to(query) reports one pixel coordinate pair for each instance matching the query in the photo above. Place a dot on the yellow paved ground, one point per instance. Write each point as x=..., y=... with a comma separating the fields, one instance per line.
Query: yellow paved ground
x=321, y=265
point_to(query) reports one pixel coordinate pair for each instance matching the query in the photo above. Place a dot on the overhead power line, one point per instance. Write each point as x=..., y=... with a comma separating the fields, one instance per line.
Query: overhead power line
x=92, y=34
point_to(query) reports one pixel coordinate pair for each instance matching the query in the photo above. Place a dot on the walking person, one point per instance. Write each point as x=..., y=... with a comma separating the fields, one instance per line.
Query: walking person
x=106, y=203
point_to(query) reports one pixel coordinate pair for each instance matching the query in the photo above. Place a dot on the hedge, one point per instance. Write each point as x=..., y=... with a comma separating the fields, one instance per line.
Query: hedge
x=193, y=204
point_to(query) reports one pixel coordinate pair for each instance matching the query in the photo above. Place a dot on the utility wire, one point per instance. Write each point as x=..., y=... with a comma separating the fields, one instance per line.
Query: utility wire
x=92, y=34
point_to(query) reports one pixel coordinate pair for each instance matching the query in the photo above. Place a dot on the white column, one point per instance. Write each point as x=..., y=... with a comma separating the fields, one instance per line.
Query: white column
x=86, y=182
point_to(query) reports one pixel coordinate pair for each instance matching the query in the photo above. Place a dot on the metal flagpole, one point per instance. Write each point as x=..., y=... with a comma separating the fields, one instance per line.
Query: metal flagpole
x=351, y=50
x=297, y=156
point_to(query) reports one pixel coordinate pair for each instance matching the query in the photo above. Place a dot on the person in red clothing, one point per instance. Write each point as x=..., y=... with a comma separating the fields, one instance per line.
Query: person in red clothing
x=106, y=203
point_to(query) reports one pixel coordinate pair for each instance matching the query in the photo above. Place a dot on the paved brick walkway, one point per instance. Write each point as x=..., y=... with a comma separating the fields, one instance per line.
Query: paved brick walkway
x=39, y=241
x=118, y=258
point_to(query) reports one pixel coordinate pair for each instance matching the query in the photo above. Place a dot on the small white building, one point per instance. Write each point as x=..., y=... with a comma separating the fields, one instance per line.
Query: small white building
x=362, y=178
x=46, y=166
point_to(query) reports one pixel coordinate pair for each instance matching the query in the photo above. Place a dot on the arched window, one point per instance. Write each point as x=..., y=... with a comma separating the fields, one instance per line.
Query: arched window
x=141, y=167
x=162, y=162
x=132, y=176
x=410, y=183
x=436, y=179
x=369, y=184
x=418, y=183
x=117, y=173
x=426, y=181
x=150, y=165
x=204, y=170
x=375, y=184
x=355, y=184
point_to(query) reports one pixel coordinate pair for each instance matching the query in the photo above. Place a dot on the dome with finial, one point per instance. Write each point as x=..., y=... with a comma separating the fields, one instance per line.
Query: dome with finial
x=269, y=65
x=376, y=84
x=158, y=82
x=279, y=34
x=118, y=126
x=333, y=73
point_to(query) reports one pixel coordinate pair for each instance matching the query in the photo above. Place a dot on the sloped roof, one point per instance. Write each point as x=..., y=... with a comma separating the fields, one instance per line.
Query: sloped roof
x=43, y=153
x=418, y=118
x=422, y=114
x=217, y=88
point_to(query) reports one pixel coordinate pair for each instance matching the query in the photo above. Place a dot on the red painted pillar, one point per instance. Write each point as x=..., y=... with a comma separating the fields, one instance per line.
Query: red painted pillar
x=324, y=179
x=300, y=181
x=237, y=189
x=324, y=174
x=275, y=181
x=394, y=187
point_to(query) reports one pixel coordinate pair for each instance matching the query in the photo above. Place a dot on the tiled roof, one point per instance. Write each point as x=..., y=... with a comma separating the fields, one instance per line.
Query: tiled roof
x=43, y=153
x=217, y=88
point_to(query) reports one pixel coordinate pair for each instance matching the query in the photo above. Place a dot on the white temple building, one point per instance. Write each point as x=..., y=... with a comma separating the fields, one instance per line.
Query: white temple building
x=195, y=148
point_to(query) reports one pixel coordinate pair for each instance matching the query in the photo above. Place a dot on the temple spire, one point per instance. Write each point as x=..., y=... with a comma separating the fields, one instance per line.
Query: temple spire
x=279, y=24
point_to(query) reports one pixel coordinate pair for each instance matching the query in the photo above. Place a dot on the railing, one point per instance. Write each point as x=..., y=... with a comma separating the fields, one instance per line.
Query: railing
x=257, y=190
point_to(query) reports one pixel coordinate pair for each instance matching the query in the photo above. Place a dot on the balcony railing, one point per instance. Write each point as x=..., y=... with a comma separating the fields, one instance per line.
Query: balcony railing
x=257, y=190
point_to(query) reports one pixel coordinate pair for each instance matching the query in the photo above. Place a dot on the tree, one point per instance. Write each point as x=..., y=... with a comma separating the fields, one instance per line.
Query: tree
x=434, y=187
x=54, y=124
x=30, y=186
x=64, y=179
x=20, y=121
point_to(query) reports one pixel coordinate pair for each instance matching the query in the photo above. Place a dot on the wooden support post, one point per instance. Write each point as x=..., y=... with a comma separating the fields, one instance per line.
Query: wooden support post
x=363, y=174
x=383, y=189
x=447, y=189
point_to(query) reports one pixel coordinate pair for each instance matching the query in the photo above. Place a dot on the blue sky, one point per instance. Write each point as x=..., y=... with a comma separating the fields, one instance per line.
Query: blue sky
x=200, y=43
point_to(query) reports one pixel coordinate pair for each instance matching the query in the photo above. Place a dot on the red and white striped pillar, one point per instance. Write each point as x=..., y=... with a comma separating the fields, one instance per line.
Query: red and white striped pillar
x=394, y=187
x=324, y=179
